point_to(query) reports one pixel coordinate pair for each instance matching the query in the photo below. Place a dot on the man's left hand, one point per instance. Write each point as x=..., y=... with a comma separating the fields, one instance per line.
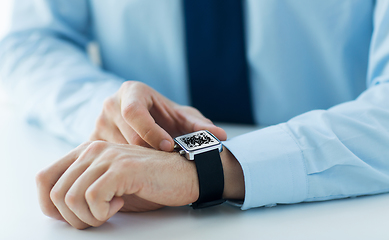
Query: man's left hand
x=91, y=183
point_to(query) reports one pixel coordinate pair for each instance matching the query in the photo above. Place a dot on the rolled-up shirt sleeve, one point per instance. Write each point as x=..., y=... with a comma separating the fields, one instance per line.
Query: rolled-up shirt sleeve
x=325, y=154
x=45, y=68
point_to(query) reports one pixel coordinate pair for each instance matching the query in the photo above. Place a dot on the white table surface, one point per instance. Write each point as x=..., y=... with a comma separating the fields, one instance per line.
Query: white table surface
x=24, y=150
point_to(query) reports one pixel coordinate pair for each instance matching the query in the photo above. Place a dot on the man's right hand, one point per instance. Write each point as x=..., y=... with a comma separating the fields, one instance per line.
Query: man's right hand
x=139, y=115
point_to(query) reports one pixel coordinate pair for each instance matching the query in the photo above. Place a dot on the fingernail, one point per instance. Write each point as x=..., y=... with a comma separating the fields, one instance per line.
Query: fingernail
x=165, y=145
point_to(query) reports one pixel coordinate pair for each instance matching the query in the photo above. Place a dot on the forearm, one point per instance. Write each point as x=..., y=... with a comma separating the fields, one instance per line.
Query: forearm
x=45, y=68
x=320, y=155
x=54, y=83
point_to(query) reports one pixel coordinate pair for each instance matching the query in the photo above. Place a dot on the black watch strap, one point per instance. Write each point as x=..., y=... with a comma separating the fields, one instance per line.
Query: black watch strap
x=211, y=179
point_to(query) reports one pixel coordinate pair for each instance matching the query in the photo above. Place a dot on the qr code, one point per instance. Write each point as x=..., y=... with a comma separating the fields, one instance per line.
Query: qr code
x=197, y=140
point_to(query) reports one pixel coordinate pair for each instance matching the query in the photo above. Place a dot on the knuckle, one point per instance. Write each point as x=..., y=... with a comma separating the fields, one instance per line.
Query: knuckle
x=109, y=104
x=91, y=195
x=131, y=85
x=56, y=195
x=96, y=147
x=101, y=122
x=94, y=136
x=87, y=143
x=41, y=177
x=127, y=84
x=71, y=200
x=130, y=110
x=84, y=145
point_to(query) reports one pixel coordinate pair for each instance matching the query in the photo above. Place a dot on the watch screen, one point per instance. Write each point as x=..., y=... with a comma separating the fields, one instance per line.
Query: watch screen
x=198, y=140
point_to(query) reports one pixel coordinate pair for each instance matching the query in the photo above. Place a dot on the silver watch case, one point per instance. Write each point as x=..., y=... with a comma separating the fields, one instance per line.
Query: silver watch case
x=197, y=142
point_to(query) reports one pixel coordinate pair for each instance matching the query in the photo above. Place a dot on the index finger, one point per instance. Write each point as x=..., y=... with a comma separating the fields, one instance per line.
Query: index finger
x=47, y=178
x=135, y=111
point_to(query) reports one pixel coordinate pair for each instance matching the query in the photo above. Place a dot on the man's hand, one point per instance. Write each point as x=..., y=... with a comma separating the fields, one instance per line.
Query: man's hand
x=91, y=183
x=139, y=115
x=97, y=179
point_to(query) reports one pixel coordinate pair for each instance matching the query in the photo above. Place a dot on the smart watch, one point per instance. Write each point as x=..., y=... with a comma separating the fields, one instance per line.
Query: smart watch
x=204, y=149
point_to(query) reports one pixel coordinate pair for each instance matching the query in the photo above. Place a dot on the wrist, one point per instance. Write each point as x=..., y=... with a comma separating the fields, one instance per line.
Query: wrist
x=189, y=179
x=234, y=187
x=220, y=175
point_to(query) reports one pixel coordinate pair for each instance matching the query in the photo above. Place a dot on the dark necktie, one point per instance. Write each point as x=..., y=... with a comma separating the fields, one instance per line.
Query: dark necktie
x=217, y=64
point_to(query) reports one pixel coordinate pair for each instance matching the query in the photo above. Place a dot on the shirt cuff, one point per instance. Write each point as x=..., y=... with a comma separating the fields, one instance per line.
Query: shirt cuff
x=273, y=167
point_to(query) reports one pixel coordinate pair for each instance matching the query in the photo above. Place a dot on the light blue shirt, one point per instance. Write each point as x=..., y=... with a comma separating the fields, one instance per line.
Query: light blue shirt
x=319, y=73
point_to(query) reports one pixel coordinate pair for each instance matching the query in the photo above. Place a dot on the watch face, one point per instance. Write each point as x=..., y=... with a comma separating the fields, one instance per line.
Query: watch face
x=197, y=140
